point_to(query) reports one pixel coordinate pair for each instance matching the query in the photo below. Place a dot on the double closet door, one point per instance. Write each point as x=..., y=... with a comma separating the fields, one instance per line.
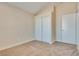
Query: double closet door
x=43, y=28
x=68, y=30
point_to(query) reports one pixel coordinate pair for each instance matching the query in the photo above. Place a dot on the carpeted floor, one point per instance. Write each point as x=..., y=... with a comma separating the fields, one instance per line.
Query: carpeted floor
x=38, y=48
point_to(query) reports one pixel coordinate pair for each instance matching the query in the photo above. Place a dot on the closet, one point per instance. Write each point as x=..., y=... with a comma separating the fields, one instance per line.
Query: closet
x=66, y=23
x=45, y=25
x=43, y=28
x=68, y=30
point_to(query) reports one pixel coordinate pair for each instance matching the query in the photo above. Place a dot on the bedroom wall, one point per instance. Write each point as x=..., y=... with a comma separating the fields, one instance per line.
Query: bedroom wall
x=16, y=26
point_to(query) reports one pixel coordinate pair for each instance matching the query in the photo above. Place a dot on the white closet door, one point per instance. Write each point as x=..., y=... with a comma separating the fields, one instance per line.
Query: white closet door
x=68, y=28
x=58, y=29
x=46, y=29
x=38, y=28
x=78, y=28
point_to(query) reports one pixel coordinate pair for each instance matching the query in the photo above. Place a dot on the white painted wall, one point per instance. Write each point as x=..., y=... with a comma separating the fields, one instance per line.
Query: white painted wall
x=16, y=26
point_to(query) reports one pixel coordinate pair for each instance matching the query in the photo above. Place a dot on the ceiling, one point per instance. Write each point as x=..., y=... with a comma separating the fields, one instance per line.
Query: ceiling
x=32, y=7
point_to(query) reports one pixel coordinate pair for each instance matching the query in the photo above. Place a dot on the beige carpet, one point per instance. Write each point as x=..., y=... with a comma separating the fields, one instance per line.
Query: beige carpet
x=38, y=48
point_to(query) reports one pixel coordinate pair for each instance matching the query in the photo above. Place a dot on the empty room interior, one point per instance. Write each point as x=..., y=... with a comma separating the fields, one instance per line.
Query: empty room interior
x=39, y=29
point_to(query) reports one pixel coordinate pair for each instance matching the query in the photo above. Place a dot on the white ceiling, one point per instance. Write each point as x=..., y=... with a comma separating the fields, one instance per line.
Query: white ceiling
x=32, y=7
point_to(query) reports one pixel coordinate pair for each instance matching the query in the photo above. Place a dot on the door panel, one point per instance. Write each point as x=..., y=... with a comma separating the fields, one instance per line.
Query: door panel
x=38, y=28
x=68, y=28
x=46, y=29
x=78, y=28
x=58, y=29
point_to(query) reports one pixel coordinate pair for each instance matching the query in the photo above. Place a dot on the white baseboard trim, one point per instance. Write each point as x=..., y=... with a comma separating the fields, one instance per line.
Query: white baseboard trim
x=46, y=42
x=16, y=44
x=66, y=42
x=53, y=41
